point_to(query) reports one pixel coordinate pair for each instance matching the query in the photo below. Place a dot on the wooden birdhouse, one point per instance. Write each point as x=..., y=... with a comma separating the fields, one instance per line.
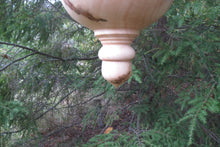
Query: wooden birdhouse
x=116, y=23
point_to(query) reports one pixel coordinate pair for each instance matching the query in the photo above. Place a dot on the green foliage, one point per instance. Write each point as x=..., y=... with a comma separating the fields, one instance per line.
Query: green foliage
x=186, y=57
x=27, y=21
x=147, y=138
x=172, y=98
x=12, y=112
x=5, y=91
x=135, y=75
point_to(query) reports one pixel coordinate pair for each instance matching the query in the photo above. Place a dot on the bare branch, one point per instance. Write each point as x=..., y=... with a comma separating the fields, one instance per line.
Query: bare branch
x=63, y=14
x=48, y=55
x=32, y=50
x=210, y=133
x=7, y=53
x=12, y=132
x=6, y=66
x=84, y=102
x=51, y=108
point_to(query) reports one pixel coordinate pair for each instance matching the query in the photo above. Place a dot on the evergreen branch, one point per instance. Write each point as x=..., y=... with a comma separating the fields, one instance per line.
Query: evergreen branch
x=6, y=66
x=7, y=53
x=84, y=102
x=137, y=133
x=206, y=99
x=183, y=76
x=147, y=67
x=210, y=133
x=164, y=134
x=61, y=129
x=67, y=95
x=59, y=11
x=11, y=132
x=194, y=120
x=206, y=67
x=32, y=50
x=48, y=55
x=191, y=131
x=82, y=59
x=51, y=108
x=41, y=115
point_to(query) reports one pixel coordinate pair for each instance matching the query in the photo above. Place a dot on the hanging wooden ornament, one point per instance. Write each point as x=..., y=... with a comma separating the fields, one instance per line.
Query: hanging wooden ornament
x=116, y=23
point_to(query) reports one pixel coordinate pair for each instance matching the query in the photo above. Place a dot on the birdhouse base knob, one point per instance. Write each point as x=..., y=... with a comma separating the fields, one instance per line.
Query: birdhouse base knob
x=116, y=54
x=116, y=72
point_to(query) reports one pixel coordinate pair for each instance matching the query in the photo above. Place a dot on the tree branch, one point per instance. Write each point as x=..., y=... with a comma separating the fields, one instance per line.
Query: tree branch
x=84, y=102
x=12, y=132
x=210, y=133
x=6, y=66
x=59, y=11
x=32, y=50
x=51, y=108
x=48, y=55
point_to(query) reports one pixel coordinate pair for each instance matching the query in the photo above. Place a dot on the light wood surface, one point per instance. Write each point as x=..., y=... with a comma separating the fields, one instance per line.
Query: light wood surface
x=116, y=23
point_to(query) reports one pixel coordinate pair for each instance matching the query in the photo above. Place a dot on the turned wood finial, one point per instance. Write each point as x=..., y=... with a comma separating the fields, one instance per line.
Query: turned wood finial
x=116, y=54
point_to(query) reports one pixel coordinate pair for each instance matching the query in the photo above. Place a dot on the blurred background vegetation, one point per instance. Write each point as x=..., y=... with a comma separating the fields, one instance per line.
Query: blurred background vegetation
x=52, y=92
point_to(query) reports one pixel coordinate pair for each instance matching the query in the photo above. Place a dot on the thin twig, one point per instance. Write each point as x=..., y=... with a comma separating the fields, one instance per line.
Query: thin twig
x=210, y=133
x=6, y=66
x=32, y=50
x=7, y=53
x=48, y=55
x=63, y=14
x=11, y=132
x=51, y=108
x=84, y=102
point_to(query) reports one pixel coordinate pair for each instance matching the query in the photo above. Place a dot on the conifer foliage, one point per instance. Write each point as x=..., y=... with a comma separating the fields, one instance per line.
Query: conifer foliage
x=50, y=80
